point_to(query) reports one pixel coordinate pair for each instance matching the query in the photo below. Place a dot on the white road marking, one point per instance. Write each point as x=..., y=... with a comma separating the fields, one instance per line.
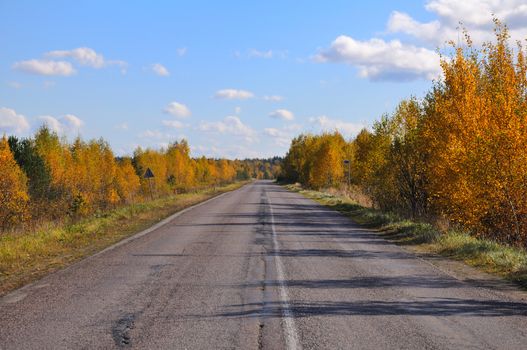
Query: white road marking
x=291, y=335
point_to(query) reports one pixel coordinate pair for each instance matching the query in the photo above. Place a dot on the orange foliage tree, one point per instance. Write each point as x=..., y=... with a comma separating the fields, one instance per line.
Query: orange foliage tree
x=459, y=153
x=14, y=199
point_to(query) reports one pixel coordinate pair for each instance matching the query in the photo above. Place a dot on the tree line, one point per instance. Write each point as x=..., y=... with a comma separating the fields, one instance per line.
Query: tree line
x=45, y=177
x=459, y=153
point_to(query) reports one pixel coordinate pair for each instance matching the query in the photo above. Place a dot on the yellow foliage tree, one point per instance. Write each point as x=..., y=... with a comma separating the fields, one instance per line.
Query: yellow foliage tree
x=14, y=199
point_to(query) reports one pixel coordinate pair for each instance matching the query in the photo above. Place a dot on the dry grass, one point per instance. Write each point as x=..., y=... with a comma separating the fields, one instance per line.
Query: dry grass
x=27, y=256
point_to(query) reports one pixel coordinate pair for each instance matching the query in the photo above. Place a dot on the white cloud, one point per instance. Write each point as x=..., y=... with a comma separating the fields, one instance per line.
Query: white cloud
x=237, y=110
x=281, y=137
x=72, y=122
x=45, y=67
x=160, y=70
x=182, y=51
x=273, y=98
x=83, y=55
x=225, y=151
x=283, y=114
x=67, y=124
x=478, y=13
x=324, y=123
x=177, y=109
x=233, y=94
x=403, y=23
x=381, y=60
x=11, y=122
x=51, y=122
x=176, y=124
x=229, y=125
x=476, y=16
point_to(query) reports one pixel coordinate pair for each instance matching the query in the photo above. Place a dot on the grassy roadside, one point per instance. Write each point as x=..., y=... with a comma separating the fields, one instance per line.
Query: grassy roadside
x=29, y=256
x=505, y=261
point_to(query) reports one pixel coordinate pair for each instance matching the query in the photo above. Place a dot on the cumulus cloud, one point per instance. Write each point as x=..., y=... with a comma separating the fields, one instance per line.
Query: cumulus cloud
x=72, y=121
x=229, y=125
x=225, y=151
x=45, y=67
x=86, y=56
x=283, y=114
x=233, y=94
x=67, y=124
x=324, y=123
x=12, y=122
x=83, y=55
x=281, y=137
x=160, y=70
x=177, y=109
x=479, y=12
x=381, y=60
x=403, y=23
x=273, y=98
x=475, y=15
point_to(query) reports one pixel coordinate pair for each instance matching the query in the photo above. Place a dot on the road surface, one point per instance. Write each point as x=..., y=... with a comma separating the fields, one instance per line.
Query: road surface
x=259, y=267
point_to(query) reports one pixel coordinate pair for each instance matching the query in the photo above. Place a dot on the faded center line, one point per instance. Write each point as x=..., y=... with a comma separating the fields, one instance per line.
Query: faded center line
x=291, y=335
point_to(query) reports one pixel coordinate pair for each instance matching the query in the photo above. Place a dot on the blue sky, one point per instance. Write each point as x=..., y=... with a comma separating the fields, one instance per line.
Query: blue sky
x=235, y=78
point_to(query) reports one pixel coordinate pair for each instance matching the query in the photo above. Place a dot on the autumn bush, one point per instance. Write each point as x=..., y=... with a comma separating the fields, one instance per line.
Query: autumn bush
x=459, y=153
x=13, y=189
x=45, y=177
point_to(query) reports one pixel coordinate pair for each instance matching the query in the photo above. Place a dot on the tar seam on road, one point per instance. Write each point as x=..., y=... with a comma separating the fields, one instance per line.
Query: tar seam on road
x=291, y=335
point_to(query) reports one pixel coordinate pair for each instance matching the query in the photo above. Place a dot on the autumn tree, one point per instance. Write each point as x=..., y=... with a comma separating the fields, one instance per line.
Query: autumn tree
x=13, y=189
x=127, y=183
x=33, y=165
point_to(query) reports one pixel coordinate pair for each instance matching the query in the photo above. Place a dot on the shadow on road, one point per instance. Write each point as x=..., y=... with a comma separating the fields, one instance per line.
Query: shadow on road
x=426, y=307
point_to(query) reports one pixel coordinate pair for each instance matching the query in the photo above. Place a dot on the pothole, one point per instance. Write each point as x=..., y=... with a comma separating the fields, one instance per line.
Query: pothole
x=121, y=330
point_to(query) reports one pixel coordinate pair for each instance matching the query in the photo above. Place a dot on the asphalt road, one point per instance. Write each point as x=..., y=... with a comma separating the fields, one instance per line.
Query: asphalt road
x=260, y=267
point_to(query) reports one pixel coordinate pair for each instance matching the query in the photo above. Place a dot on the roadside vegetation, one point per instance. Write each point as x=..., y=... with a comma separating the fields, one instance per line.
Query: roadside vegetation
x=448, y=170
x=61, y=201
x=32, y=254
x=46, y=178
x=506, y=261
